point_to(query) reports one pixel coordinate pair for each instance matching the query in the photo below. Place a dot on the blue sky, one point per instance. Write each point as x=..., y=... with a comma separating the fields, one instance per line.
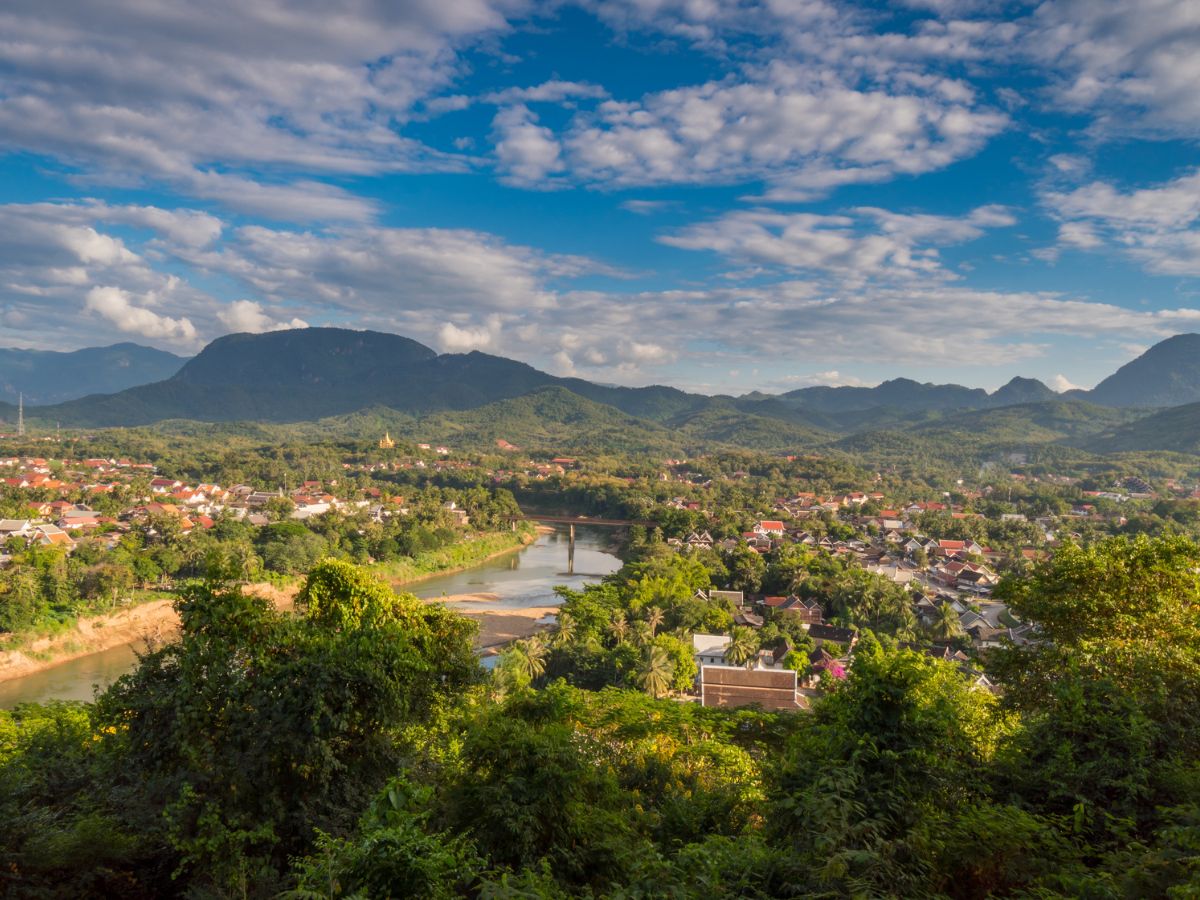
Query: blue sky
x=724, y=196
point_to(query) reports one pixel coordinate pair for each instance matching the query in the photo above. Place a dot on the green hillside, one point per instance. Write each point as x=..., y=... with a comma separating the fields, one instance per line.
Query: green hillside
x=720, y=421
x=1057, y=420
x=1174, y=430
x=549, y=418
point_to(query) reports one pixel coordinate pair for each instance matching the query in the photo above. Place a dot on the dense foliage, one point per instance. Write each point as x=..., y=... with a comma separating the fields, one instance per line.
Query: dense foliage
x=355, y=749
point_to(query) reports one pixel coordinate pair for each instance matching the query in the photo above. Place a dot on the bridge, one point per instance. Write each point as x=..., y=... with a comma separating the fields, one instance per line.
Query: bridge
x=571, y=522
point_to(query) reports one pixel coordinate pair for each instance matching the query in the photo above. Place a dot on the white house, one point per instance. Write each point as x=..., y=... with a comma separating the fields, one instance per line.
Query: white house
x=710, y=649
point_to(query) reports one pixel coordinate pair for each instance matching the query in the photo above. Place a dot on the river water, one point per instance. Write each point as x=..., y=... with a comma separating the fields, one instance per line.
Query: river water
x=521, y=579
x=528, y=577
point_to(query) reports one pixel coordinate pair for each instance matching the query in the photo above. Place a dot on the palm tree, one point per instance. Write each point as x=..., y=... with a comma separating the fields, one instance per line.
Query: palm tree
x=531, y=656
x=654, y=618
x=657, y=672
x=946, y=624
x=742, y=646
x=906, y=625
x=619, y=628
x=643, y=633
x=566, y=629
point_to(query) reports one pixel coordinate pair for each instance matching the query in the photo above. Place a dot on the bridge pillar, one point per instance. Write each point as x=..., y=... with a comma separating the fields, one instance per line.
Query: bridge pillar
x=571, y=549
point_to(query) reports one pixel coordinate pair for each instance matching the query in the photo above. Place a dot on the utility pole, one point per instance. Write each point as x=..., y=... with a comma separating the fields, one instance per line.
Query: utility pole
x=21, y=415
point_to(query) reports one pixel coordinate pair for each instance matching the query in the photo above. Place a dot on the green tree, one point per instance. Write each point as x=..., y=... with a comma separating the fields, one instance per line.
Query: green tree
x=742, y=647
x=329, y=687
x=657, y=671
x=619, y=628
x=946, y=623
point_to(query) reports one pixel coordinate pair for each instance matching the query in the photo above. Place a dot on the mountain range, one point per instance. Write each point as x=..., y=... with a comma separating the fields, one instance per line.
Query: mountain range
x=50, y=376
x=310, y=374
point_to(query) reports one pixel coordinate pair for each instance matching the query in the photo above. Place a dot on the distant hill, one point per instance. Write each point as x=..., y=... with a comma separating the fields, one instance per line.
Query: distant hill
x=1168, y=374
x=307, y=374
x=1176, y=430
x=853, y=407
x=1053, y=420
x=549, y=417
x=1022, y=390
x=49, y=376
x=721, y=421
x=368, y=379
x=899, y=393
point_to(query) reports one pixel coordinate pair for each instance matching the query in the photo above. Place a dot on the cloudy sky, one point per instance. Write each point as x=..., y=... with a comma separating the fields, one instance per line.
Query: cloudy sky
x=719, y=194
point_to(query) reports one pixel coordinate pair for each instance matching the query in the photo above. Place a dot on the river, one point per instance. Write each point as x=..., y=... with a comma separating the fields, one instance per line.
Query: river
x=528, y=577
x=521, y=579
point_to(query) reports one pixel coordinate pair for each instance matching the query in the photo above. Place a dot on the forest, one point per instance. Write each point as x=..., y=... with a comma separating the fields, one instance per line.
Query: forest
x=357, y=749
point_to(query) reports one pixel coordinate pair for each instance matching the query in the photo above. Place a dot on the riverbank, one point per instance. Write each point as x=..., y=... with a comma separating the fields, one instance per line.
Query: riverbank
x=456, y=558
x=146, y=624
x=156, y=621
x=498, y=628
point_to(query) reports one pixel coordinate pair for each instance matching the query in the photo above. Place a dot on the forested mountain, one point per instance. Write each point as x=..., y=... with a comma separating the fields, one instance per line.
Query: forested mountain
x=49, y=376
x=1032, y=422
x=1176, y=429
x=899, y=393
x=1168, y=374
x=307, y=374
x=314, y=374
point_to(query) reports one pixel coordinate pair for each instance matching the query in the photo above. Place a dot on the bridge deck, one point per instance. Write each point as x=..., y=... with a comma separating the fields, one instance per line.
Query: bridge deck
x=584, y=520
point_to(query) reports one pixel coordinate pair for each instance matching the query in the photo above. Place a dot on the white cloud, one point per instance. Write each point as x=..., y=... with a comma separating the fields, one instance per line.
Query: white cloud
x=229, y=100
x=117, y=306
x=249, y=316
x=1134, y=66
x=870, y=242
x=459, y=340
x=554, y=91
x=461, y=290
x=1158, y=226
x=527, y=153
x=803, y=130
x=1061, y=384
x=646, y=207
x=830, y=378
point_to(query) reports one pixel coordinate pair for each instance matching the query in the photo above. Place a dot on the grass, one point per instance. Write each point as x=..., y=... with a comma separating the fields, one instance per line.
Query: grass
x=458, y=556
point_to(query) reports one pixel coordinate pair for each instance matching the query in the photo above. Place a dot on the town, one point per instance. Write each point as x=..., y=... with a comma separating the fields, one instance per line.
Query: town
x=923, y=571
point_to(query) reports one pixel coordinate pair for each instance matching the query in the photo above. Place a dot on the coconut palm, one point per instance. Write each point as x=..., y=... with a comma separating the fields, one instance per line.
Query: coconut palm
x=619, y=628
x=945, y=623
x=565, y=631
x=656, y=672
x=906, y=625
x=643, y=634
x=742, y=646
x=531, y=657
x=654, y=618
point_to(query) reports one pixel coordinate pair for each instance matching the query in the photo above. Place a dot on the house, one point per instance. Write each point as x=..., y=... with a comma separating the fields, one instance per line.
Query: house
x=52, y=536
x=747, y=619
x=737, y=598
x=735, y=686
x=22, y=528
x=769, y=528
x=977, y=580
x=710, y=649
x=807, y=612
x=823, y=633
